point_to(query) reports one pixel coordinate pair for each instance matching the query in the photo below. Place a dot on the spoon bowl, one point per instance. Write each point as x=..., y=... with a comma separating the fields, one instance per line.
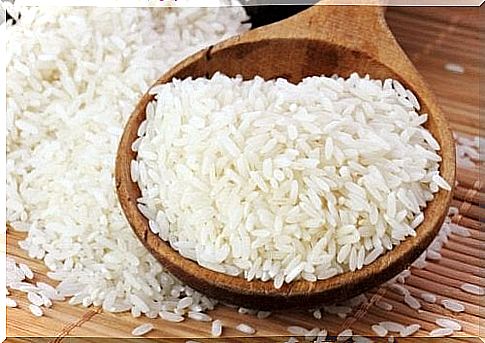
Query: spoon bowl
x=323, y=39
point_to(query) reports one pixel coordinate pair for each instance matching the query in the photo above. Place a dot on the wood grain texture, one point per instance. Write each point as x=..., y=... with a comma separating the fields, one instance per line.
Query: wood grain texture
x=433, y=37
x=418, y=30
x=320, y=40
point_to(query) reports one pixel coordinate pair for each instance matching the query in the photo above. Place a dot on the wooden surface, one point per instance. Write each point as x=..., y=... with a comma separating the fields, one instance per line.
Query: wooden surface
x=431, y=38
x=319, y=43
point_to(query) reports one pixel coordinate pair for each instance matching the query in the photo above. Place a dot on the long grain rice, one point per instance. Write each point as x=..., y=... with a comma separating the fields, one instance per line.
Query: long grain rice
x=142, y=329
x=448, y=323
x=35, y=299
x=412, y=302
x=216, y=329
x=429, y=297
x=261, y=166
x=10, y=302
x=245, y=328
x=201, y=317
x=80, y=82
x=409, y=330
x=392, y=326
x=379, y=330
x=36, y=310
x=384, y=305
x=473, y=289
x=453, y=305
x=441, y=332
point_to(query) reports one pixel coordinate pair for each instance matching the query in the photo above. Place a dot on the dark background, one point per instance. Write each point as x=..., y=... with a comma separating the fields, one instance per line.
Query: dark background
x=267, y=14
x=263, y=14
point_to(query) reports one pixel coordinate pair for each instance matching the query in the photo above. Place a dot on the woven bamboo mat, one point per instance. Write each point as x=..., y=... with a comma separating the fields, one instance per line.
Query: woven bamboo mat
x=461, y=262
x=432, y=37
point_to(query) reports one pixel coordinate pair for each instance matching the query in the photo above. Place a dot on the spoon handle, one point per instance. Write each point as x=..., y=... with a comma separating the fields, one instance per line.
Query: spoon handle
x=360, y=28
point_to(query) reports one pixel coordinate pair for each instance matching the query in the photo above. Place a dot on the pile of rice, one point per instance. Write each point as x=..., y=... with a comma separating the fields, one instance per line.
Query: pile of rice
x=63, y=128
x=275, y=181
x=74, y=76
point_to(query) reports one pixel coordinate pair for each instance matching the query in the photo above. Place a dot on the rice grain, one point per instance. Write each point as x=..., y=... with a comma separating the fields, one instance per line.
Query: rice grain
x=283, y=168
x=379, y=330
x=441, y=332
x=142, y=329
x=36, y=310
x=453, y=305
x=10, y=302
x=448, y=323
x=409, y=330
x=245, y=328
x=473, y=289
x=216, y=330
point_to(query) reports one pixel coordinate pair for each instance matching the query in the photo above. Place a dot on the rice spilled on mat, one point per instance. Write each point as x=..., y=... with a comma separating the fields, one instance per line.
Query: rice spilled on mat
x=53, y=96
x=76, y=82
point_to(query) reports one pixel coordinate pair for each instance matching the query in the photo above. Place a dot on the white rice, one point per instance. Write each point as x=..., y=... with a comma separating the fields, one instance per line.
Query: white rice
x=448, y=323
x=441, y=332
x=460, y=230
x=235, y=175
x=384, y=305
x=420, y=262
x=10, y=302
x=36, y=310
x=142, y=329
x=17, y=277
x=392, y=326
x=171, y=317
x=379, y=330
x=412, y=302
x=216, y=329
x=245, y=328
x=33, y=211
x=201, y=317
x=46, y=289
x=297, y=330
x=87, y=68
x=454, y=68
x=433, y=255
x=399, y=288
x=473, y=289
x=317, y=314
x=429, y=297
x=35, y=299
x=452, y=305
x=468, y=153
x=185, y=302
x=26, y=270
x=409, y=330
x=46, y=302
x=243, y=310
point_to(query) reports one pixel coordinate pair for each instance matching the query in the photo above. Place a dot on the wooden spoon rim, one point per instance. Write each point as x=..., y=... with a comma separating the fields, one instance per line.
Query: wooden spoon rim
x=382, y=269
x=405, y=252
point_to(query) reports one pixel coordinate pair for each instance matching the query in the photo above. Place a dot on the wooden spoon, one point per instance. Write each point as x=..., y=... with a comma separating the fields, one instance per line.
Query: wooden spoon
x=320, y=40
